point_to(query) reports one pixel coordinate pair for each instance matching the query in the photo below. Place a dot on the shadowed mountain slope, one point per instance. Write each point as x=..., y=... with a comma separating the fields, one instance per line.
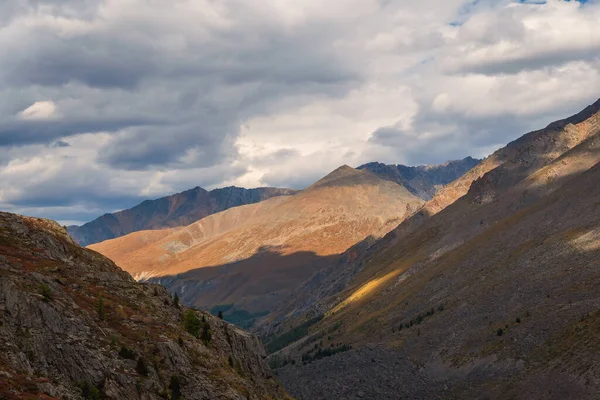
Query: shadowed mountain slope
x=177, y=210
x=423, y=181
x=73, y=325
x=325, y=219
x=491, y=290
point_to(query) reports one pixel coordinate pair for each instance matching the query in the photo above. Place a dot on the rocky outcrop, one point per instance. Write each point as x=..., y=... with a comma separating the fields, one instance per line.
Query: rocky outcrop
x=425, y=180
x=74, y=325
x=177, y=210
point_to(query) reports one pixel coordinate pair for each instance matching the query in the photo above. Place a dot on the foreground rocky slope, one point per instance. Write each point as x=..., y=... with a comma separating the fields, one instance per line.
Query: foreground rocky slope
x=490, y=291
x=249, y=258
x=177, y=210
x=425, y=180
x=73, y=325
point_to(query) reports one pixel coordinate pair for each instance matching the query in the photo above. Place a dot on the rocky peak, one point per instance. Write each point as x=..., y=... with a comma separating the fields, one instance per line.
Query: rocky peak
x=423, y=181
x=345, y=176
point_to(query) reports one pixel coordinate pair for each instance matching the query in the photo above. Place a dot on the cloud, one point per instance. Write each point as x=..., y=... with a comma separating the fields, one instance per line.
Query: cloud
x=107, y=102
x=522, y=37
x=60, y=143
x=40, y=110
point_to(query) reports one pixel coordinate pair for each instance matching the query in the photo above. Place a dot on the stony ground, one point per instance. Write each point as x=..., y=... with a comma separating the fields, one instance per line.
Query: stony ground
x=372, y=372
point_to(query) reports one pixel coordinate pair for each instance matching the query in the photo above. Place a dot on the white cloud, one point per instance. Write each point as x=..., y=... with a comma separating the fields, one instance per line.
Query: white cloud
x=40, y=110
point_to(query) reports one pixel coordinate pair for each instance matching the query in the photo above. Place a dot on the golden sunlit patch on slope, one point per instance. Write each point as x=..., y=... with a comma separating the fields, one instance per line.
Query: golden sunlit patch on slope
x=368, y=288
x=589, y=241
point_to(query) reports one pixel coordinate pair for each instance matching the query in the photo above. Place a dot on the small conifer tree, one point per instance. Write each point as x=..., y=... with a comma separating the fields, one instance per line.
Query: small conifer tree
x=100, y=308
x=192, y=324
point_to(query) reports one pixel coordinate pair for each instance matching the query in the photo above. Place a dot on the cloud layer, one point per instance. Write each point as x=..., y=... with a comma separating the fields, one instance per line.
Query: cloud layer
x=104, y=103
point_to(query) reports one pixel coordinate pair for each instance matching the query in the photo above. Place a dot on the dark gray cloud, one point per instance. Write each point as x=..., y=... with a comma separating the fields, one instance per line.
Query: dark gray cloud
x=60, y=143
x=533, y=61
x=17, y=133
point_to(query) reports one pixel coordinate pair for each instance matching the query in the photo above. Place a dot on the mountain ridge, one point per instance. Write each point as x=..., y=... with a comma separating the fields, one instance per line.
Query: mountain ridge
x=424, y=180
x=74, y=325
x=171, y=211
x=478, y=232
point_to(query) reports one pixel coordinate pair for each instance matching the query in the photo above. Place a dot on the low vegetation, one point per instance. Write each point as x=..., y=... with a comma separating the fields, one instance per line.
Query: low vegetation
x=279, y=342
x=418, y=319
x=199, y=328
x=46, y=292
x=308, y=357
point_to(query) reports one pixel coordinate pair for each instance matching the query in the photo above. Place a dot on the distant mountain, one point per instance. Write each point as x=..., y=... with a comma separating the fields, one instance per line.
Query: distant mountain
x=73, y=325
x=177, y=210
x=425, y=180
x=249, y=258
x=490, y=290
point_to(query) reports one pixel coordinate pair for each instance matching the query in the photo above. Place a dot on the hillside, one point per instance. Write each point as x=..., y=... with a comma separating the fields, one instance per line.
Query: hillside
x=248, y=258
x=172, y=211
x=490, y=291
x=425, y=180
x=73, y=325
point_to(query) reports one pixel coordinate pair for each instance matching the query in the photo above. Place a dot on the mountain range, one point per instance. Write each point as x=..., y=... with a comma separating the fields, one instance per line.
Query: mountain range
x=183, y=208
x=248, y=258
x=171, y=211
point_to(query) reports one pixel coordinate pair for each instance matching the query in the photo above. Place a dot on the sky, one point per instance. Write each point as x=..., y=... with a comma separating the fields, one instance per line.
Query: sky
x=105, y=103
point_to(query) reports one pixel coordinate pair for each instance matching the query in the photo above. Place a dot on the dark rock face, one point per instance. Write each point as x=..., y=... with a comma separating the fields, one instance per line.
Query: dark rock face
x=425, y=180
x=73, y=325
x=177, y=210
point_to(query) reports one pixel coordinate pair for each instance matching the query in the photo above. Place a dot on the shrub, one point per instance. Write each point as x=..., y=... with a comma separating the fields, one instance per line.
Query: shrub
x=518, y=320
x=46, y=292
x=100, y=308
x=230, y=362
x=499, y=332
x=141, y=367
x=90, y=392
x=192, y=324
x=126, y=353
x=308, y=358
x=220, y=314
x=176, y=300
x=175, y=387
x=206, y=335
